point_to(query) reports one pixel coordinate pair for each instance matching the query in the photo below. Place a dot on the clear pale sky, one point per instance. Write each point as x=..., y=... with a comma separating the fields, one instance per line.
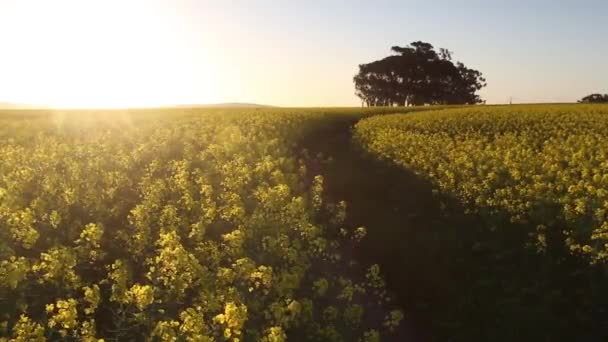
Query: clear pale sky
x=287, y=53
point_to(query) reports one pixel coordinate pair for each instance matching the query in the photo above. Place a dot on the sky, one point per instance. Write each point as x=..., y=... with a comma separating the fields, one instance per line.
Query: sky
x=116, y=53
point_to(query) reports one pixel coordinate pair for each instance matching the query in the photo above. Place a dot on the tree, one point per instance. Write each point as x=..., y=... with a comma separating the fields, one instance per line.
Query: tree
x=594, y=98
x=417, y=75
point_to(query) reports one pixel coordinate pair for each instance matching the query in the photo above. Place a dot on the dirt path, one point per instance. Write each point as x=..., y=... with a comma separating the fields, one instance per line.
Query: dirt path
x=394, y=205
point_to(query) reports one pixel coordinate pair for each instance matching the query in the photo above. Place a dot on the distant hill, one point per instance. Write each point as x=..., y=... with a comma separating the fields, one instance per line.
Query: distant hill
x=9, y=105
x=225, y=105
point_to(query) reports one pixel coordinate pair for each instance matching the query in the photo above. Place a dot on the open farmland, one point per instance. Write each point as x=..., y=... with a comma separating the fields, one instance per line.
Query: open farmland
x=519, y=234
x=540, y=165
x=202, y=224
x=459, y=223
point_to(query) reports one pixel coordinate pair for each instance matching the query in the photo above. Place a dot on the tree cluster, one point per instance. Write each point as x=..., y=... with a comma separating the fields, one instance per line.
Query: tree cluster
x=417, y=75
x=594, y=98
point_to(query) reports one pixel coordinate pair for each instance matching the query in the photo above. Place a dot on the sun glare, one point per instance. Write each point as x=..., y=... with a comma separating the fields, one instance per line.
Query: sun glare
x=100, y=54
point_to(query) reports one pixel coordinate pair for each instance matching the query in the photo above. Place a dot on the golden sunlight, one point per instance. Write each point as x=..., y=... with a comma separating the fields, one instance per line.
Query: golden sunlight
x=67, y=53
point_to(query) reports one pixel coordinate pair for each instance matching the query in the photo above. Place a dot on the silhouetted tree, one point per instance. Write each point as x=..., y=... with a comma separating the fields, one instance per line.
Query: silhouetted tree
x=417, y=75
x=594, y=98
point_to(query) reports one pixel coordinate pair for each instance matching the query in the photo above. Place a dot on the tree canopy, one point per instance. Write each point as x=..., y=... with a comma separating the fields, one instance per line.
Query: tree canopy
x=417, y=75
x=595, y=98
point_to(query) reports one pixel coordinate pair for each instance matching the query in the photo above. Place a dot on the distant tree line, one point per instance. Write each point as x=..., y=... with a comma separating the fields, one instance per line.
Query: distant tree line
x=594, y=98
x=417, y=75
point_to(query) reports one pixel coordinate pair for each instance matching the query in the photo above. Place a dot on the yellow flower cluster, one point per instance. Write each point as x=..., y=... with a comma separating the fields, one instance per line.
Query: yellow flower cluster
x=92, y=297
x=232, y=320
x=89, y=242
x=141, y=296
x=27, y=331
x=63, y=315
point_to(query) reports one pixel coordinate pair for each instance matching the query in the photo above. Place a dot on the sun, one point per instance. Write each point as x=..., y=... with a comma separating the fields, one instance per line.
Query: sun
x=101, y=54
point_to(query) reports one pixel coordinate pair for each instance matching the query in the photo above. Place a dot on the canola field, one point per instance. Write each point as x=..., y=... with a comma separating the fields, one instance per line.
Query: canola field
x=238, y=224
x=545, y=166
x=190, y=225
